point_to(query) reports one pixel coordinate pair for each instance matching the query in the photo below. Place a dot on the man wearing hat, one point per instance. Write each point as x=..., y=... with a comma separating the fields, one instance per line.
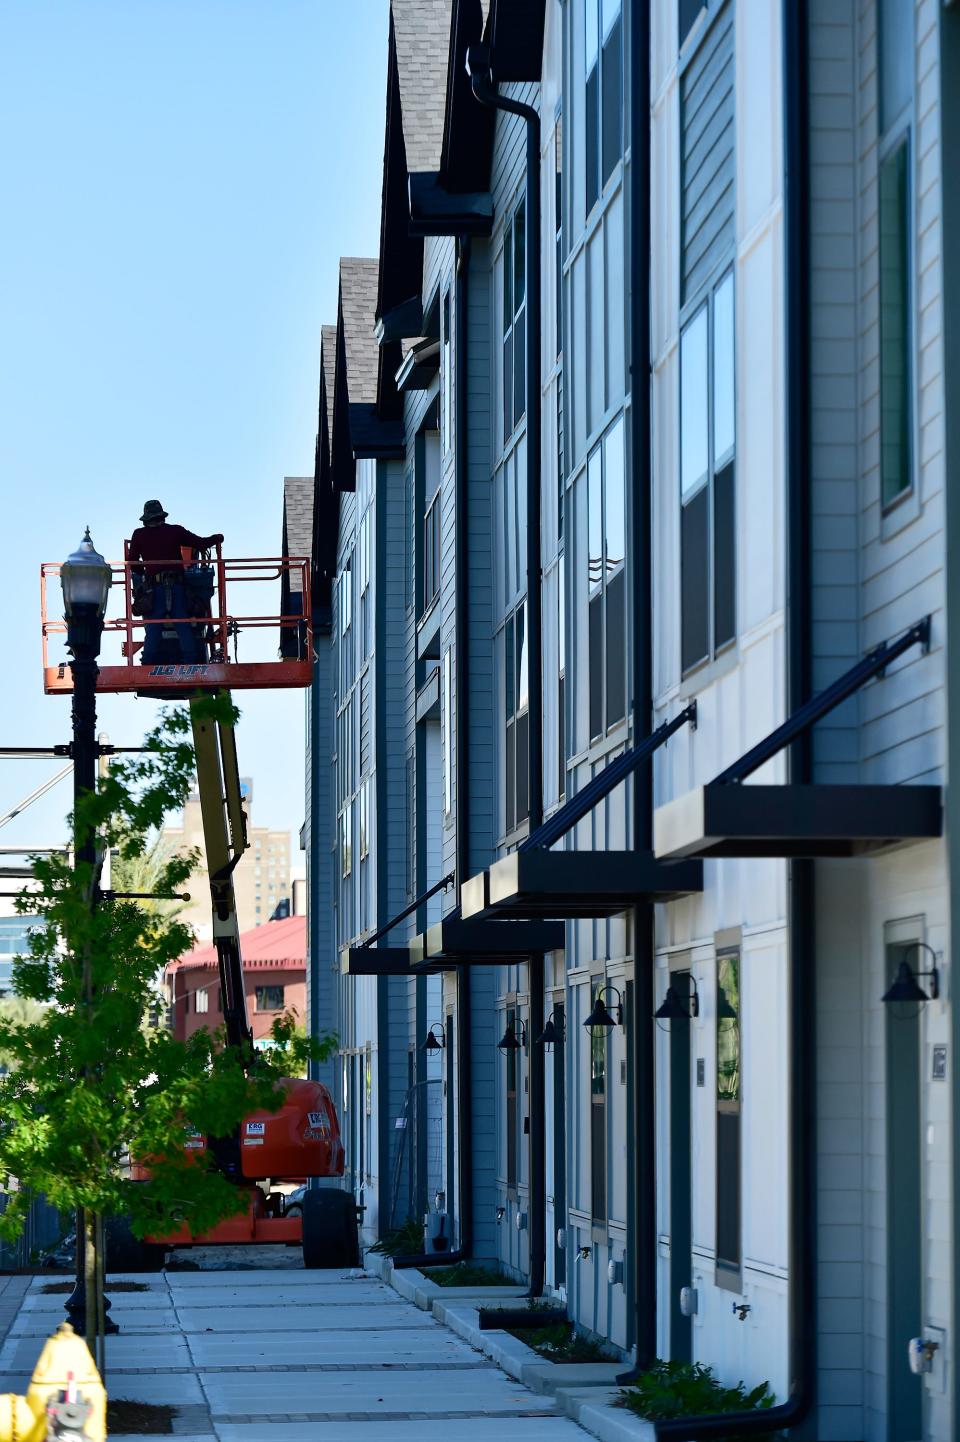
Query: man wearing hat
x=156, y=546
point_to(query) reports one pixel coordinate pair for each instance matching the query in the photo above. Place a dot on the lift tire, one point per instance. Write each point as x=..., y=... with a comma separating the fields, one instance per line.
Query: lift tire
x=329, y=1229
x=129, y=1253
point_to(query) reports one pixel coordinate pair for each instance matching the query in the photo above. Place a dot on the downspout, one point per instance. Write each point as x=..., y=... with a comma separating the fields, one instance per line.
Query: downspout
x=464, y=1059
x=478, y=65
x=800, y=886
x=643, y=1138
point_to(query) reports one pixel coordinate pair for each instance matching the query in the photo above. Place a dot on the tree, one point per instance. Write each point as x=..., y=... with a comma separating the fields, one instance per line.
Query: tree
x=89, y=1086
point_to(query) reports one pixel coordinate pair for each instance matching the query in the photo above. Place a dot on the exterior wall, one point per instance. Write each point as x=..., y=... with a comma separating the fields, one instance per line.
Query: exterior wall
x=184, y=986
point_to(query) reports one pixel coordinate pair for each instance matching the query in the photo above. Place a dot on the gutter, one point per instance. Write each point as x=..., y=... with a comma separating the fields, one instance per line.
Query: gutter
x=800, y=886
x=479, y=68
x=642, y=1134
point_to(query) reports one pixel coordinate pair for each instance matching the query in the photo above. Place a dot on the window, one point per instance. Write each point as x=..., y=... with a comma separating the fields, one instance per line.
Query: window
x=408, y=548
x=514, y=286
x=363, y=583
x=431, y=553
x=558, y=267
x=345, y=614
x=895, y=84
x=411, y=803
x=603, y=92
x=512, y=1099
x=202, y=1001
x=598, y=1116
x=562, y=677
x=707, y=492
x=446, y=376
x=606, y=581
x=365, y=818
x=447, y=735
x=269, y=998
x=728, y=1118
x=516, y=720
x=346, y=843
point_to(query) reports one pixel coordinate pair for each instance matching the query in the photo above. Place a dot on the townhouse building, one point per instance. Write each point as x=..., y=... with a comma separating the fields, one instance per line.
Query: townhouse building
x=627, y=820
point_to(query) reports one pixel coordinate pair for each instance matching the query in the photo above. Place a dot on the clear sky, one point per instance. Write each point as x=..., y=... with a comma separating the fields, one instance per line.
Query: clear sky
x=178, y=179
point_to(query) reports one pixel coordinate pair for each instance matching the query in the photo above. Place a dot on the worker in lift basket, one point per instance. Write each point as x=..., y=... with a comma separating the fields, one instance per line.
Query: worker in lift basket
x=159, y=578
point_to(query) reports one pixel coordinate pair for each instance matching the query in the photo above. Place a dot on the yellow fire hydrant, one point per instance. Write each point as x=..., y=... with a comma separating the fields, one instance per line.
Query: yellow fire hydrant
x=66, y=1400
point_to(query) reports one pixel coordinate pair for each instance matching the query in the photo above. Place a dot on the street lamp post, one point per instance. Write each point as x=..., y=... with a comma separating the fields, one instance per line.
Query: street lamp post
x=85, y=579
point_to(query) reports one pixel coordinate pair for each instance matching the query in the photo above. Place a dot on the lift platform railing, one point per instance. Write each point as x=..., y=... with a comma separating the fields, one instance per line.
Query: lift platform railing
x=221, y=627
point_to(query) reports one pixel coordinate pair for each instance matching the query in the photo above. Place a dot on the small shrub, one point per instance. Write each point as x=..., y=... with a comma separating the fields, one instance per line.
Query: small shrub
x=690, y=1389
x=560, y=1342
x=467, y=1274
x=404, y=1241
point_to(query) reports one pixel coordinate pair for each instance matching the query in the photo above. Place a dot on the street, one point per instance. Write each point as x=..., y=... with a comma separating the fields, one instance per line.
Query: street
x=246, y=1355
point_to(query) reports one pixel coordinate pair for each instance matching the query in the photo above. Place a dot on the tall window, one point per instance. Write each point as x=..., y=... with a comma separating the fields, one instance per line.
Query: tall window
x=203, y=1000
x=345, y=614
x=895, y=42
x=447, y=735
x=562, y=677
x=728, y=1119
x=516, y=720
x=606, y=581
x=446, y=375
x=707, y=489
x=363, y=583
x=346, y=842
x=512, y=1100
x=514, y=271
x=365, y=818
x=598, y=1117
x=431, y=552
x=603, y=91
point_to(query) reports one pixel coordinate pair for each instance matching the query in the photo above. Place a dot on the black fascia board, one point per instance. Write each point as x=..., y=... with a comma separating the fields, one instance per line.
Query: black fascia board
x=435, y=210
x=375, y=961
x=515, y=35
x=403, y=322
x=371, y=436
x=466, y=155
x=573, y=884
x=489, y=942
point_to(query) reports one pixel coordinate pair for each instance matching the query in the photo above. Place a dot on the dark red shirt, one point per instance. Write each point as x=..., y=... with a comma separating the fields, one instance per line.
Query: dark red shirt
x=159, y=546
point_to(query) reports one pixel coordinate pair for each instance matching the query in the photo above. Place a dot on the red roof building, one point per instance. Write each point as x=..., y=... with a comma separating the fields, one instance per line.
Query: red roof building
x=275, y=979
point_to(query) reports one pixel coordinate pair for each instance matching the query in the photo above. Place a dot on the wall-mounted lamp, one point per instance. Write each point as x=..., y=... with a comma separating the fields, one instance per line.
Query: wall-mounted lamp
x=551, y=1034
x=600, y=1016
x=433, y=1042
x=501, y=1213
x=510, y=1041
x=675, y=1007
x=906, y=986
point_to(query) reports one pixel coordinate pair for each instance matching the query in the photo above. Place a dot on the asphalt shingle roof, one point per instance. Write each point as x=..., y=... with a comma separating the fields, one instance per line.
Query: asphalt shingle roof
x=422, y=37
x=328, y=366
x=298, y=514
x=358, y=304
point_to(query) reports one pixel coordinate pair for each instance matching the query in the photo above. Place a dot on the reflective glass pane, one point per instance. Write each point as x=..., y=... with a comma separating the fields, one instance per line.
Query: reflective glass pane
x=595, y=522
x=616, y=534
x=896, y=54
x=591, y=34
x=693, y=404
x=508, y=669
x=894, y=327
x=519, y=256
x=609, y=11
x=724, y=418
x=523, y=689
x=507, y=273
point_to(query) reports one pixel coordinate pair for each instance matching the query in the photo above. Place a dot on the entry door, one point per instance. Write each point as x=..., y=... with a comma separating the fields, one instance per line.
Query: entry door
x=681, y=1226
x=559, y=1146
x=904, y=1209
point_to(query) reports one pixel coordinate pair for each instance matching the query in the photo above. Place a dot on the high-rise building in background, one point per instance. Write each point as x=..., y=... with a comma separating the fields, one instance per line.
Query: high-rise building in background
x=261, y=880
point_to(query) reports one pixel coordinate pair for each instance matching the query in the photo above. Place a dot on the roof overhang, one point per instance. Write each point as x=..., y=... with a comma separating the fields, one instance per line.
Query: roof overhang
x=727, y=819
x=419, y=368
x=434, y=210
x=457, y=941
x=515, y=33
x=570, y=884
x=403, y=322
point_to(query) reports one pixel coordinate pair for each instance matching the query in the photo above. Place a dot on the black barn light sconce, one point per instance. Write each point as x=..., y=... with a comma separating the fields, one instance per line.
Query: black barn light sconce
x=434, y=1043
x=906, y=986
x=601, y=1016
x=675, y=1007
x=551, y=1034
x=510, y=1041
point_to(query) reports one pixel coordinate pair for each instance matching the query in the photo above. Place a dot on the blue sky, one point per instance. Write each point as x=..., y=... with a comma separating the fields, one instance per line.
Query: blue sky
x=179, y=179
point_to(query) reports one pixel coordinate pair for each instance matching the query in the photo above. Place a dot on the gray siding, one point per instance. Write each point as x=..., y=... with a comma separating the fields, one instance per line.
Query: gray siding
x=707, y=151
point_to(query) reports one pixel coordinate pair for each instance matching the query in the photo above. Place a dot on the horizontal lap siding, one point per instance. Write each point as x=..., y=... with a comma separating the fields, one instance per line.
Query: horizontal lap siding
x=707, y=154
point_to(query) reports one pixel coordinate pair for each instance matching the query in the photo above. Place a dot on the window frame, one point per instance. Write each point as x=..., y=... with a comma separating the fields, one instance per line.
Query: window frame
x=705, y=301
x=508, y=330
x=515, y=734
x=596, y=102
x=271, y=987
x=431, y=552
x=599, y=592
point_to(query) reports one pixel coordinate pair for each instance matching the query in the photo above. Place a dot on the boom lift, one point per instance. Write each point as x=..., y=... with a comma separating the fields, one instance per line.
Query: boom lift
x=301, y=1139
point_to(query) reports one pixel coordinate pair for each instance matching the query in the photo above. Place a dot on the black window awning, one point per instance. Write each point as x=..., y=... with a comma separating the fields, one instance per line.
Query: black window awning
x=459, y=941
x=728, y=819
x=794, y=821
x=572, y=884
x=379, y=961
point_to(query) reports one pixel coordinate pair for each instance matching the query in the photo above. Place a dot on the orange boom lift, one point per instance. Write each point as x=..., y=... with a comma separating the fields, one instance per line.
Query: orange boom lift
x=301, y=1139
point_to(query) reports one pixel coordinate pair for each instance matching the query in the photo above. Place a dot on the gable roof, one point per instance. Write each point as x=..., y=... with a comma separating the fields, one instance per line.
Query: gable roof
x=421, y=33
x=297, y=516
x=326, y=499
x=367, y=420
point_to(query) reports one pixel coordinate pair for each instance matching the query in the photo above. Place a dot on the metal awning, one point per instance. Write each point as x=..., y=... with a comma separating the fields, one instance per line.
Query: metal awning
x=457, y=941
x=728, y=818
x=794, y=821
x=571, y=884
x=378, y=961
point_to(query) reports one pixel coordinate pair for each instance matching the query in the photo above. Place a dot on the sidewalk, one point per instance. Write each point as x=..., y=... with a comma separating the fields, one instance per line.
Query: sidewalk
x=290, y=1356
